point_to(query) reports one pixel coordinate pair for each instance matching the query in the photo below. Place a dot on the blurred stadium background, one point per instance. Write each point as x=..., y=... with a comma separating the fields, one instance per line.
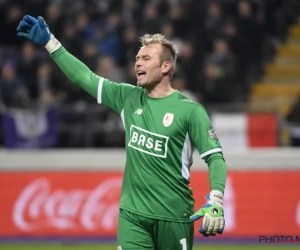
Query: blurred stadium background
x=62, y=155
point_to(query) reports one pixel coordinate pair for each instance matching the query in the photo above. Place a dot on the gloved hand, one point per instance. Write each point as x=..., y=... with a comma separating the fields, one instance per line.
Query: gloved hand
x=34, y=30
x=213, y=221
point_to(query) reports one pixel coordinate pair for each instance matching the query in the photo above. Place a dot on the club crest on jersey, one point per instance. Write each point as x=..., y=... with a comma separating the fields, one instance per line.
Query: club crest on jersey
x=168, y=119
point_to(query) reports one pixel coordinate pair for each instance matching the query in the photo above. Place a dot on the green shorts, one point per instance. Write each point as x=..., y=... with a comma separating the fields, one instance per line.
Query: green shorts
x=136, y=232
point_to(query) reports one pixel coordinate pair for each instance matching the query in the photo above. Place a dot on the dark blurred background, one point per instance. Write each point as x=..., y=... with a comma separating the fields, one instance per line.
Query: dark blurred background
x=234, y=56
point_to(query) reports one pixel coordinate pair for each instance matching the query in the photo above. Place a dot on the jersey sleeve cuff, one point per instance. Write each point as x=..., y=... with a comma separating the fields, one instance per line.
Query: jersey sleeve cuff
x=52, y=45
x=100, y=86
x=211, y=151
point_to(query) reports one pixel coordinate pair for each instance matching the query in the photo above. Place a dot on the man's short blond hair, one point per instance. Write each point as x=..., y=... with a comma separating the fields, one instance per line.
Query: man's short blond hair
x=169, y=52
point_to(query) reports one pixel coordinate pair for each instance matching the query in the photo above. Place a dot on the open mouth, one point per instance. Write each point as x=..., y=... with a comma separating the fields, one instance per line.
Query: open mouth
x=140, y=73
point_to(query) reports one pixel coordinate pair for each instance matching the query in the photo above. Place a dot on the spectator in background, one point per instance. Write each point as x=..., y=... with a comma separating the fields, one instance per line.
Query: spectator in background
x=130, y=72
x=130, y=12
x=213, y=23
x=90, y=54
x=13, y=15
x=195, y=15
x=114, y=24
x=70, y=7
x=177, y=19
x=84, y=26
x=13, y=92
x=276, y=22
x=163, y=6
x=53, y=85
x=250, y=28
x=240, y=47
x=216, y=86
x=70, y=40
x=108, y=69
x=28, y=67
x=189, y=64
x=151, y=21
x=180, y=84
x=45, y=84
x=107, y=42
x=169, y=32
x=129, y=46
x=54, y=19
x=223, y=58
x=219, y=74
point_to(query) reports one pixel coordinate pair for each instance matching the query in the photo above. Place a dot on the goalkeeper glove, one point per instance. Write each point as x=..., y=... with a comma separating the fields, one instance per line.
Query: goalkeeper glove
x=213, y=221
x=37, y=31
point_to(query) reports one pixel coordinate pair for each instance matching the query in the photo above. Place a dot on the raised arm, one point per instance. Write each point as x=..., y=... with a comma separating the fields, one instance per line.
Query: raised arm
x=76, y=71
x=37, y=31
x=107, y=92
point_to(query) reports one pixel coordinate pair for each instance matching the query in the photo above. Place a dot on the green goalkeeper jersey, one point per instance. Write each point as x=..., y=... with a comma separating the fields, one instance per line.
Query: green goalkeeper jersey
x=160, y=136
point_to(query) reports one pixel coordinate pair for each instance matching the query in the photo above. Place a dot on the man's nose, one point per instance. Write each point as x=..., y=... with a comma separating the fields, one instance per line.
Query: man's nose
x=138, y=64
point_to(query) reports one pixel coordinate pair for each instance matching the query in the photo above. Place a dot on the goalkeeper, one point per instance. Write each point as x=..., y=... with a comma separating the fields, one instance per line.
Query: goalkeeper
x=162, y=127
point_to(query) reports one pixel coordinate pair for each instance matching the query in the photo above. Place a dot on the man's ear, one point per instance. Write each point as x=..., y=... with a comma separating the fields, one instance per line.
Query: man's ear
x=166, y=67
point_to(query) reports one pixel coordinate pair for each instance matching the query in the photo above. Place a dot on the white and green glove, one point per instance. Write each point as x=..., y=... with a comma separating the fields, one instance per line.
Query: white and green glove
x=213, y=221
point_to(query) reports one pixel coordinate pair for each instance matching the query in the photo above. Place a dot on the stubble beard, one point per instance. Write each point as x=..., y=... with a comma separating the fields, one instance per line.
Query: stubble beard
x=150, y=84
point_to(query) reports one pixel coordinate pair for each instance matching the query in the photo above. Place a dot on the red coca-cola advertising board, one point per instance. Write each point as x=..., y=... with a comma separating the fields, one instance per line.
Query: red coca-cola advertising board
x=86, y=203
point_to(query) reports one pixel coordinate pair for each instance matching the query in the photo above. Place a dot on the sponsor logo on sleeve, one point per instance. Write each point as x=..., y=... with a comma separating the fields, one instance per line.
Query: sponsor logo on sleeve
x=212, y=134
